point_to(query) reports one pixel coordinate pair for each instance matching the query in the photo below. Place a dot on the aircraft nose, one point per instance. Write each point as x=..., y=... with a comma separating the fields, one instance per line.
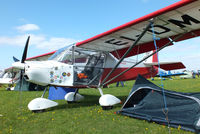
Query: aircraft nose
x=18, y=65
x=37, y=75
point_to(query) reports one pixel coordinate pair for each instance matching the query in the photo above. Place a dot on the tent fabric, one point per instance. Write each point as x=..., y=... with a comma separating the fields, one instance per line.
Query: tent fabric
x=59, y=93
x=145, y=101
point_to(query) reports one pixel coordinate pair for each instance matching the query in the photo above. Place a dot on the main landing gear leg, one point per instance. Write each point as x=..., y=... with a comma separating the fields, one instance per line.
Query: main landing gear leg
x=73, y=96
x=107, y=101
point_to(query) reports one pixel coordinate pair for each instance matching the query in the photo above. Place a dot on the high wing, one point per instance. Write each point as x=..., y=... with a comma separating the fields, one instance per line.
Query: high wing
x=168, y=23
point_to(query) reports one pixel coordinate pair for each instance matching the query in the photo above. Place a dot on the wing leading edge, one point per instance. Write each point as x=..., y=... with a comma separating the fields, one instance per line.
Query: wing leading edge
x=169, y=22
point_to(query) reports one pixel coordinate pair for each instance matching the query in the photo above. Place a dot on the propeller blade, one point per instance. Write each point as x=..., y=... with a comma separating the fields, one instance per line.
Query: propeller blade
x=25, y=50
x=21, y=78
x=12, y=72
x=15, y=59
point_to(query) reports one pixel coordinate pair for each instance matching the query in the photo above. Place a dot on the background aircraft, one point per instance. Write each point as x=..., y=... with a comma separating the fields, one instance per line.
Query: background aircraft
x=6, y=79
x=98, y=60
x=169, y=74
x=187, y=75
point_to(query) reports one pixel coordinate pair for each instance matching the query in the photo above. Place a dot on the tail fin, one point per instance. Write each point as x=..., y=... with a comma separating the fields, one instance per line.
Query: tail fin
x=153, y=58
x=153, y=61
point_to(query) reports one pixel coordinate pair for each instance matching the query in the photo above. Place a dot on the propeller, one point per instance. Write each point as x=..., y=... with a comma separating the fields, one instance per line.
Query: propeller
x=23, y=59
x=12, y=72
x=21, y=64
x=25, y=50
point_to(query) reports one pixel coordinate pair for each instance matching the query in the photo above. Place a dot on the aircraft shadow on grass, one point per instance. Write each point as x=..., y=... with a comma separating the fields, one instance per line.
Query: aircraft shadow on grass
x=90, y=100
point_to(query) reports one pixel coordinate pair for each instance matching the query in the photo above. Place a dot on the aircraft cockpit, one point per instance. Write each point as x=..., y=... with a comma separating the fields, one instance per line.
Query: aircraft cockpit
x=87, y=64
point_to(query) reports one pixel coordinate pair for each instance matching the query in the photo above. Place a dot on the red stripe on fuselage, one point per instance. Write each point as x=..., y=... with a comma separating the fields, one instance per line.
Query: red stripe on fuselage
x=132, y=74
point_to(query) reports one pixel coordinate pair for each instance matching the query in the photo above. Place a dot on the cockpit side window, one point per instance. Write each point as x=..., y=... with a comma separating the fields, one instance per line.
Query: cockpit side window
x=88, y=67
x=88, y=64
x=80, y=58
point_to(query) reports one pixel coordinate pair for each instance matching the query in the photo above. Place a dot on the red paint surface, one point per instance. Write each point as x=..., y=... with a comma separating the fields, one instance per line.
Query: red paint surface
x=172, y=66
x=132, y=74
x=41, y=55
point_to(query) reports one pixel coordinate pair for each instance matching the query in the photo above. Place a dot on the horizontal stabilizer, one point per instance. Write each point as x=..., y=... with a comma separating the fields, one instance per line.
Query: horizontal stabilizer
x=168, y=65
x=15, y=59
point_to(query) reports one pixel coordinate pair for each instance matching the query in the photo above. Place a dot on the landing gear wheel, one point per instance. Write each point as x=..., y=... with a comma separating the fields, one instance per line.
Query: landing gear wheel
x=38, y=111
x=8, y=89
x=71, y=102
x=107, y=107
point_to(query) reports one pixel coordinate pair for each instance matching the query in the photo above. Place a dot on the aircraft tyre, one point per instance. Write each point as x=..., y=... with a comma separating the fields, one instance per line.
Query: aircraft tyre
x=107, y=107
x=8, y=89
x=71, y=102
x=38, y=111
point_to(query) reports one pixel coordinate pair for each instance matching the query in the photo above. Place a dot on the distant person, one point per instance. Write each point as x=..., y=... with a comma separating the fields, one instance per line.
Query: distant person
x=198, y=73
x=193, y=75
x=121, y=82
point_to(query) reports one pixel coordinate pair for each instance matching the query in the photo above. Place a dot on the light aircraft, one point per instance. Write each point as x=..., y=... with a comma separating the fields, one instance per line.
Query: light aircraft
x=98, y=61
x=9, y=77
x=187, y=75
x=6, y=78
x=169, y=74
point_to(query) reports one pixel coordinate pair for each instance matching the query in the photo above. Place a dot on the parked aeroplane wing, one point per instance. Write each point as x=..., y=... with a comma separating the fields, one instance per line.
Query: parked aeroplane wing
x=167, y=65
x=168, y=23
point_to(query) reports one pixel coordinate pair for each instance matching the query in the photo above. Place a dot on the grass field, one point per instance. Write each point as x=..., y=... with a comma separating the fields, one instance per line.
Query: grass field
x=85, y=117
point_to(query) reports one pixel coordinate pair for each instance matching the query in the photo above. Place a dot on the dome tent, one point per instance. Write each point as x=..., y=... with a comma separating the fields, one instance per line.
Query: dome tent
x=145, y=101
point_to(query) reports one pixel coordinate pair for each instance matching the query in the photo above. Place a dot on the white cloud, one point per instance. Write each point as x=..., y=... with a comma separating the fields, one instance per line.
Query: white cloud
x=39, y=41
x=185, y=51
x=55, y=43
x=28, y=27
x=20, y=40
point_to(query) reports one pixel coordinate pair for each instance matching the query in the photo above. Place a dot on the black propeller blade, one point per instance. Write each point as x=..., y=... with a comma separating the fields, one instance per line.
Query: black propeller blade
x=25, y=50
x=23, y=59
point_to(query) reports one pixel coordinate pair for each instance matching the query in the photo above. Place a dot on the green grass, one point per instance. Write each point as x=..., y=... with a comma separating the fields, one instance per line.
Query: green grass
x=85, y=117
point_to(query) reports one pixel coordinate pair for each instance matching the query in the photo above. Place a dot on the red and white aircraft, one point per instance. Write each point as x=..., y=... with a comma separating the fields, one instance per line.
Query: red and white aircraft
x=98, y=60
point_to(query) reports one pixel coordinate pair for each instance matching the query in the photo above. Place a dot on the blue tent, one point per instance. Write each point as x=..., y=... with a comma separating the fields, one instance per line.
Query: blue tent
x=59, y=93
x=146, y=102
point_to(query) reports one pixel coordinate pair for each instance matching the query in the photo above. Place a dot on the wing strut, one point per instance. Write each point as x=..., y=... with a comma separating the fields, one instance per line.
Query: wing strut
x=128, y=51
x=167, y=44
